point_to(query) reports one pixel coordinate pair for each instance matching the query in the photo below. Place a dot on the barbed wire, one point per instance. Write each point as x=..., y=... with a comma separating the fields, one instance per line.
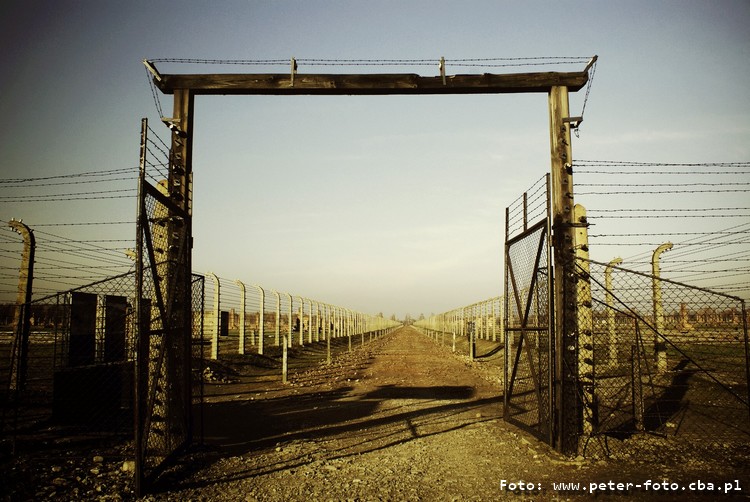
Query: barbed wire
x=666, y=173
x=472, y=62
x=662, y=192
x=712, y=255
x=704, y=212
x=154, y=93
x=688, y=184
x=71, y=196
x=61, y=183
x=87, y=223
x=71, y=175
x=578, y=163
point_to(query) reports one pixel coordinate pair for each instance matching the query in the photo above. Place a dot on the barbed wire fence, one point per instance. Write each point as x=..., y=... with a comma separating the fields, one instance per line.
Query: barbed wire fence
x=667, y=360
x=242, y=318
x=700, y=208
x=667, y=327
x=474, y=330
x=69, y=253
x=652, y=367
x=78, y=377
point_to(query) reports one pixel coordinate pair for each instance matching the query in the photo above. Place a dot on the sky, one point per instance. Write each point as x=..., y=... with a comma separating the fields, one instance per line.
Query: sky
x=390, y=204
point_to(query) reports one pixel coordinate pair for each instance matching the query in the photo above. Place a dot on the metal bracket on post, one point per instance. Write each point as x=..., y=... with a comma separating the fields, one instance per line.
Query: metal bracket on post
x=590, y=63
x=174, y=125
x=152, y=69
x=573, y=121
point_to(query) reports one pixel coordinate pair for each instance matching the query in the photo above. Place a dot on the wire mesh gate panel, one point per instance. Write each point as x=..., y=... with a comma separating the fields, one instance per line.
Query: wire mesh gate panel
x=669, y=360
x=165, y=290
x=529, y=344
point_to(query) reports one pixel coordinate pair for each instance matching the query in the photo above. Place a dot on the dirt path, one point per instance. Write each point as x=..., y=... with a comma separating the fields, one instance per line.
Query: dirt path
x=401, y=418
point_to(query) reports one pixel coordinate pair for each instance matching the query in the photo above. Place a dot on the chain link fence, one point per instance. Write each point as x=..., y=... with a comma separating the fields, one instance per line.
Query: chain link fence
x=241, y=319
x=77, y=372
x=668, y=360
x=475, y=330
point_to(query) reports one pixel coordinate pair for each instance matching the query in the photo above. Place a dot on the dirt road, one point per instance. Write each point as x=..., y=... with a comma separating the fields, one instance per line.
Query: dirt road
x=400, y=418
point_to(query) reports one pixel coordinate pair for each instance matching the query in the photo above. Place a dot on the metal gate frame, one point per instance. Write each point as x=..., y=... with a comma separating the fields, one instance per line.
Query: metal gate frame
x=526, y=293
x=164, y=293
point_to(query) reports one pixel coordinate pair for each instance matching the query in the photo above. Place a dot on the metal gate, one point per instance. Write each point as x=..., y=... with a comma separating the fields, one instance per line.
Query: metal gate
x=529, y=344
x=164, y=306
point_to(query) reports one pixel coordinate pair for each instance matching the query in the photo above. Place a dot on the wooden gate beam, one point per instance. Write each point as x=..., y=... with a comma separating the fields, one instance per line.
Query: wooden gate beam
x=368, y=84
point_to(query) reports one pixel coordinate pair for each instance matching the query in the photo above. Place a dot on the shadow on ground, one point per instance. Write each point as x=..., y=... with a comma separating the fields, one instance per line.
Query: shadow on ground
x=367, y=418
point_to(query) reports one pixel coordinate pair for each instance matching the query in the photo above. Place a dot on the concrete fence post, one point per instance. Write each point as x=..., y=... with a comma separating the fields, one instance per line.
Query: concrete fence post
x=611, y=331
x=277, y=334
x=291, y=323
x=660, y=349
x=216, y=317
x=318, y=323
x=310, y=322
x=261, y=319
x=349, y=327
x=328, y=333
x=243, y=308
x=585, y=323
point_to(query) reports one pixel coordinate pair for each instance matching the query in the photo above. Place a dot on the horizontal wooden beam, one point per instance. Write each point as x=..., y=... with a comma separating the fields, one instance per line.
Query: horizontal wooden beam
x=369, y=84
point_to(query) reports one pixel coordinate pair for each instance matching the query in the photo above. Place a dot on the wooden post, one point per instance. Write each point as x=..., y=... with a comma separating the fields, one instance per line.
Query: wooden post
x=179, y=363
x=567, y=402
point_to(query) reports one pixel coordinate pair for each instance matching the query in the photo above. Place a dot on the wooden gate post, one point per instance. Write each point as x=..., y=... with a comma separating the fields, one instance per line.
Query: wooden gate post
x=567, y=423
